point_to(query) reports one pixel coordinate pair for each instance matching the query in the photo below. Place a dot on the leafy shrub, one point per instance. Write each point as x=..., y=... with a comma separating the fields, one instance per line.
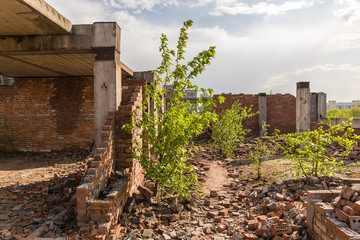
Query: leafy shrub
x=310, y=151
x=229, y=129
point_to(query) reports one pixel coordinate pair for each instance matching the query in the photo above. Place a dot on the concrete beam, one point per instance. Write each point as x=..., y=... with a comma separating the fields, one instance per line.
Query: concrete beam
x=79, y=39
x=302, y=106
x=31, y=17
x=125, y=70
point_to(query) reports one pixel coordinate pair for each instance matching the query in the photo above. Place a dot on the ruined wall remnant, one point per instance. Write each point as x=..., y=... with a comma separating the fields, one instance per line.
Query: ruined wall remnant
x=334, y=214
x=44, y=114
x=278, y=111
x=246, y=100
x=113, y=174
x=281, y=113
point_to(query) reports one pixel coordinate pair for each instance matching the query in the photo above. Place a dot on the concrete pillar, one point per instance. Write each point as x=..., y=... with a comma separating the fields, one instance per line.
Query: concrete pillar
x=262, y=105
x=313, y=107
x=302, y=106
x=321, y=107
x=107, y=72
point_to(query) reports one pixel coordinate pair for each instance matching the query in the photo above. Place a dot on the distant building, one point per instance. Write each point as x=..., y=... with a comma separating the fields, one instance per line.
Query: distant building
x=189, y=95
x=342, y=105
x=356, y=103
x=332, y=104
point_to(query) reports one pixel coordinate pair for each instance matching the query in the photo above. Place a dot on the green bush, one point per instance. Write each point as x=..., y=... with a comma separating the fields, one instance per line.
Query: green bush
x=310, y=151
x=229, y=129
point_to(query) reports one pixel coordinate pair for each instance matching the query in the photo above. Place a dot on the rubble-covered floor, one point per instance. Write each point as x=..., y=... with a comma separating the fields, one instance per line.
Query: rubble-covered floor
x=37, y=201
x=237, y=207
x=37, y=194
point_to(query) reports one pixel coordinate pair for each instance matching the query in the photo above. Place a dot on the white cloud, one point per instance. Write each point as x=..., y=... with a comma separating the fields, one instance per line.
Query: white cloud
x=199, y=3
x=349, y=10
x=148, y=5
x=81, y=11
x=234, y=7
x=333, y=79
x=345, y=41
x=283, y=78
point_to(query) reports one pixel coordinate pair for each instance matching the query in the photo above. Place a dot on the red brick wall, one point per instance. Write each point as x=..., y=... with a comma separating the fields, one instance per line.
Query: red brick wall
x=112, y=155
x=246, y=100
x=48, y=113
x=126, y=140
x=128, y=87
x=281, y=113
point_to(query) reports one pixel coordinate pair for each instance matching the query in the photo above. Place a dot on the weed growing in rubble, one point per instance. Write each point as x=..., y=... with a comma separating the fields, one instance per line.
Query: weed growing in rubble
x=229, y=129
x=167, y=132
x=260, y=153
x=310, y=151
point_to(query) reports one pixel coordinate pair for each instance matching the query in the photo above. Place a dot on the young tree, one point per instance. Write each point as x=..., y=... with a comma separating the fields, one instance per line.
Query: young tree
x=229, y=129
x=167, y=133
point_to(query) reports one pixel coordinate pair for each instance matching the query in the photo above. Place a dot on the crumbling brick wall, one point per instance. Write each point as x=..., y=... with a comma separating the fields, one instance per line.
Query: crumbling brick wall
x=113, y=168
x=45, y=114
x=246, y=100
x=281, y=111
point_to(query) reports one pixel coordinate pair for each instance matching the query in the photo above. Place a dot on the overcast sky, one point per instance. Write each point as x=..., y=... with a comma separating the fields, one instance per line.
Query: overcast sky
x=261, y=45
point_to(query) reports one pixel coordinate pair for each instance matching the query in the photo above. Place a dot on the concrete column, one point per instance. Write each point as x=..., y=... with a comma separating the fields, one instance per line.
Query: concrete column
x=107, y=72
x=313, y=107
x=321, y=107
x=262, y=105
x=302, y=106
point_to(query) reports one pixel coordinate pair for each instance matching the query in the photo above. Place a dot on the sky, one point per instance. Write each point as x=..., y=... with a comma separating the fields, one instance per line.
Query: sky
x=261, y=45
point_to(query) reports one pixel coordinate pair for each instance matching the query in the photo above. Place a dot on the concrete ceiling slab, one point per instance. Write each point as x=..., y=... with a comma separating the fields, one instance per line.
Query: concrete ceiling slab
x=47, y=65
x=31, y=17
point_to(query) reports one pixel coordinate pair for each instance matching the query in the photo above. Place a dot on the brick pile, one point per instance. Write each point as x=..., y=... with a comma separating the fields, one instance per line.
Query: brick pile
x=237, y=211
x=335, y=214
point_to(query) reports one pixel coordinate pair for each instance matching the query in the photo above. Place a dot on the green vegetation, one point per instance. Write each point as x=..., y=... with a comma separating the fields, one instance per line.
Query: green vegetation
x=260, y=153
x=310, y=150
x=353, y=112
x=229, y=130
x=167, y=134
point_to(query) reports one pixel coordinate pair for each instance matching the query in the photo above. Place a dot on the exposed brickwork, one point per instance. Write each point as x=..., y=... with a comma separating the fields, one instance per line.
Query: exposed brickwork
x=324, y=221
x=128, y=87
x=48, y=113
x=124, y=142
x=281, y=111
x=246, y=100
x=113, y=154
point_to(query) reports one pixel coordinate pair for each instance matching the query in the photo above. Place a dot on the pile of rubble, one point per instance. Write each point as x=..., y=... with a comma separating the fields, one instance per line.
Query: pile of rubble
x=42, y=209
x=347, y=206
x=240, y=210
